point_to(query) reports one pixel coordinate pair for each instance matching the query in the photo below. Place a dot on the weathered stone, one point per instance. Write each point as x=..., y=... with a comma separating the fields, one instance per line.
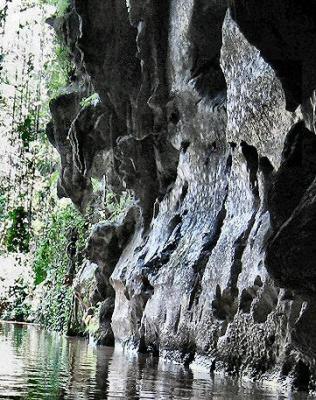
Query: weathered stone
x=200, y=120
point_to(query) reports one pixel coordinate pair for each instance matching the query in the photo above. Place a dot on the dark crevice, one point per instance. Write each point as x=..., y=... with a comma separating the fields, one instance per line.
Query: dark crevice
x=223, y=305
x=255, y=234
x=147, y=287
x=158, y=261
x=287, y=368
x=266, y=303
x=258, y=281
x=233, y=145
x=210, y=240
x=174, y=117
x=291, y=247
x=173, y=112
x=265, y=166
x=246, y=298
x=209, y=243
x=302, y=375
x=167, y=159
x=240, y=246
x=177, y=321
x=296, y=173
x=251, y=155
x=184, y=191
x=184, y=146
x=174, y=223
x=249, y=294
x=207, y=19
x=213, y=366
x=229, y=163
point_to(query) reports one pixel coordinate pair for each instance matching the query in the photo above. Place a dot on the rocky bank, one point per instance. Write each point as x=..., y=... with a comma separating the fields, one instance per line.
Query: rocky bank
x=207, y=115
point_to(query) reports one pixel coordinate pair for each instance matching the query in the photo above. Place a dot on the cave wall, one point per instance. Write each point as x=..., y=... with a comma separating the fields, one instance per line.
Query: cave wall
x=207, y=117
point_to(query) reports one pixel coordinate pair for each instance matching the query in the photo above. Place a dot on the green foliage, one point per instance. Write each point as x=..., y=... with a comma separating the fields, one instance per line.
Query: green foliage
x=92, y=100
x=42, y=259
x=52, y=265
x=58, y=70
x=26, y=130
x=117, y=205
x=108, y=207
x=96, y=184
x=18, y=235
x=51, y=247
x=61, y=6
x=17, y=310
x=2, y=207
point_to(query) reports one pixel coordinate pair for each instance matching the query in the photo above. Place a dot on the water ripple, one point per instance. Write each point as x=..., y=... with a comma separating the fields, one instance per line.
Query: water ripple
x=36, y=365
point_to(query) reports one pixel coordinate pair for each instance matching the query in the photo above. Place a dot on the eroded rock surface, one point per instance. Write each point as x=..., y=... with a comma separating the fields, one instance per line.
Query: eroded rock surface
x=207, y=116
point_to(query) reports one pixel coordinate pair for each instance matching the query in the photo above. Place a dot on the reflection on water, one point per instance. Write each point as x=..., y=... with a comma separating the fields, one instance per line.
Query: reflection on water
x=35, y=364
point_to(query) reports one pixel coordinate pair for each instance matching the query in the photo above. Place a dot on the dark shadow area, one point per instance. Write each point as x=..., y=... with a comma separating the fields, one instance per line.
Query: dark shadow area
x=285, y=34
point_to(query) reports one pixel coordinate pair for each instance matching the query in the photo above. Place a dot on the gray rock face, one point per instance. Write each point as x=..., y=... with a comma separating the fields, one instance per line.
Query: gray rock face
x=209, y=123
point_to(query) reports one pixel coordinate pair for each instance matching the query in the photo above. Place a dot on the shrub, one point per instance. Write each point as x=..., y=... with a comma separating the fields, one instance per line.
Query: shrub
x=52, y=265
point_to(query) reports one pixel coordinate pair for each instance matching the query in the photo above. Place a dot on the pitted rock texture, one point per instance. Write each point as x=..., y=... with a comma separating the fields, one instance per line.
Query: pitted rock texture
x=207, y=116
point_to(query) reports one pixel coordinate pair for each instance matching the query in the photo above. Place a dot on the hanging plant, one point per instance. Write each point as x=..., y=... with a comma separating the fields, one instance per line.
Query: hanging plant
x=18, y=236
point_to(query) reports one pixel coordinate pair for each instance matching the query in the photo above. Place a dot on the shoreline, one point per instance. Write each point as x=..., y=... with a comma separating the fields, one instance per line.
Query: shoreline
x=2, y=321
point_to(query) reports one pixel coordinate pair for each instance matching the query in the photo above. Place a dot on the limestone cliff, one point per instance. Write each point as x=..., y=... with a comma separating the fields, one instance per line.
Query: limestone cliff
x=207, y=115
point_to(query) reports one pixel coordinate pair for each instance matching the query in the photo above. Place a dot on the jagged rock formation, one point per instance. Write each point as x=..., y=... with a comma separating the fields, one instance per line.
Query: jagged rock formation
x=207, y=115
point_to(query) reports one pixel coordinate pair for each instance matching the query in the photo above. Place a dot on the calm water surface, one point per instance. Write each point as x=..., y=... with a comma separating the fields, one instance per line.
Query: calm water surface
x=35, y=364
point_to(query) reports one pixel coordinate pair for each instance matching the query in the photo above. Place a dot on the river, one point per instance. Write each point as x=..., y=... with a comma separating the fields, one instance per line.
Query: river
x=36, y=364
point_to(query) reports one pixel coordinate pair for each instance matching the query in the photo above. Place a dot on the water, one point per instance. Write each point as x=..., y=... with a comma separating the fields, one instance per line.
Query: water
x=35, y=364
